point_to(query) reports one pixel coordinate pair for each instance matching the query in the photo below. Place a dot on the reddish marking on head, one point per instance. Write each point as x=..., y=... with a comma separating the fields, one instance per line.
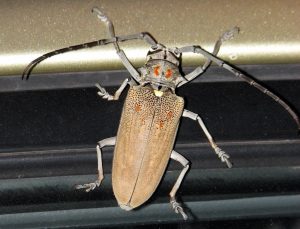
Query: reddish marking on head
x=156, y=70
x=169, y=115
x=168, y=73
x=138, y=107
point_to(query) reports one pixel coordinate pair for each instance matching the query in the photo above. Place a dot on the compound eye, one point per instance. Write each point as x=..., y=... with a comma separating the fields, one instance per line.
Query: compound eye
x=156, y=70
x=168, y=73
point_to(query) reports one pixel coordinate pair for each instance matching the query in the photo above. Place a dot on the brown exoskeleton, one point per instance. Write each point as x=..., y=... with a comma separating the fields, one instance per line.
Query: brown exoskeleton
x=151, y=115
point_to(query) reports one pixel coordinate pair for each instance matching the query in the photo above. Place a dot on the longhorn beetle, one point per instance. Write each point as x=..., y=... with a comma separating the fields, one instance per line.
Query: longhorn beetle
x=151, y=114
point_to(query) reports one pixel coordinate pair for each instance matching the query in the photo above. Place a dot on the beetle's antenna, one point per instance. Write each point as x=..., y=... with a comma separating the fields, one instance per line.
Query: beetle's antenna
x=112, y=39
x=228, y=35
x=33, y=63
x=264, y=90
x=103, y=18
x=237, y=73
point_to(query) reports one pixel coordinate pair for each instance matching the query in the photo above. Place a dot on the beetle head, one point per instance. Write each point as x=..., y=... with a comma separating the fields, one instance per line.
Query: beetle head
x=161, y=69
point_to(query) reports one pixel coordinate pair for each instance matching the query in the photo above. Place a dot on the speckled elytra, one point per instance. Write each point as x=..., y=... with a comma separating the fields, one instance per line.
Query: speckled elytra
x=151, y=115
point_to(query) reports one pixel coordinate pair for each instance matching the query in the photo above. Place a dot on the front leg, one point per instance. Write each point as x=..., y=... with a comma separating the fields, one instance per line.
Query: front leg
x=111, y=32
x=224, y=157
x=105, y=95
x=201, y=69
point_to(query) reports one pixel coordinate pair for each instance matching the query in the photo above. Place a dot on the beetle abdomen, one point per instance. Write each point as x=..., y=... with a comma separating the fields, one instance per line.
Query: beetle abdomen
x=144, y=143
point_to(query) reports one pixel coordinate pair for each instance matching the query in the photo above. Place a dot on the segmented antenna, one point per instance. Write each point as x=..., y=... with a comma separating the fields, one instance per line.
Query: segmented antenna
x=264, y=90
x=249, y=80
x=33, y=63
x=112, y=39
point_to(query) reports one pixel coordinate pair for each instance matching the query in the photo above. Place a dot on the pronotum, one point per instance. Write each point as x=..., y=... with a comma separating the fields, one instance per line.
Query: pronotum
x=151, y=115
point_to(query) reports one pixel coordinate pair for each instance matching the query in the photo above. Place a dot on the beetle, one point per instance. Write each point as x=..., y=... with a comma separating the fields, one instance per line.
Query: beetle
x=151, y=115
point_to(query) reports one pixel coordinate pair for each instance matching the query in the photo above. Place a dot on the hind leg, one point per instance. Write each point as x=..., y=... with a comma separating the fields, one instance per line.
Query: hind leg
x=185, y=163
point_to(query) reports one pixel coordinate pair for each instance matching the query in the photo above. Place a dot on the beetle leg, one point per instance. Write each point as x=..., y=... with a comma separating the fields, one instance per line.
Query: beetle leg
x=112, y=40
x=228, y=35
x=91, y=186
x=105, y=95
x=239, y=74
x=224, y=157
x=199, y=70
x=111, y=32
x=175, y=205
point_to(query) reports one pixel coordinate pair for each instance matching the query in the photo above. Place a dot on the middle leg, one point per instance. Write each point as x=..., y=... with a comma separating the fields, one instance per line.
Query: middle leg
x=221, y=154
x=91, y=186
